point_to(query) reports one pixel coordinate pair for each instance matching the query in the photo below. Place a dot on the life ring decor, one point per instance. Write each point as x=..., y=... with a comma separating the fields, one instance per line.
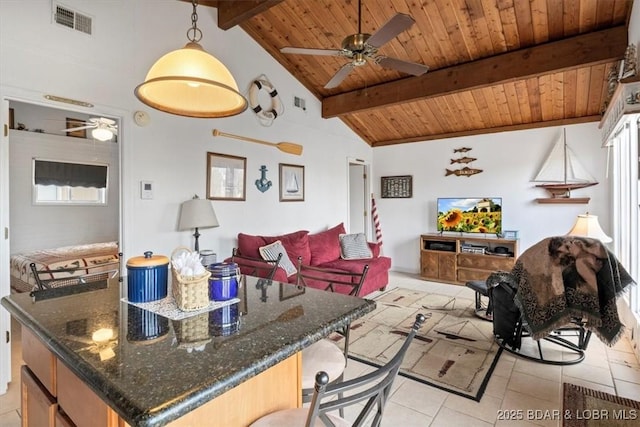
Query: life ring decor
x=265, y=114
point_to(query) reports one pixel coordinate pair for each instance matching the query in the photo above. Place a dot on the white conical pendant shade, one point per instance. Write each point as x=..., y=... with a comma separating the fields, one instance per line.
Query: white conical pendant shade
x=588, y=226
x=190, y=82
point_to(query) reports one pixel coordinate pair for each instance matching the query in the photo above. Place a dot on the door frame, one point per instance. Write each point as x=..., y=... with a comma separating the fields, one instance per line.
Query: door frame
x=11, y=94
x=367, y=194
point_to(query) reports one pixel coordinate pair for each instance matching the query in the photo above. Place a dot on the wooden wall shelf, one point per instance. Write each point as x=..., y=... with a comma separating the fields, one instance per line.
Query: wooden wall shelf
x=564, y=200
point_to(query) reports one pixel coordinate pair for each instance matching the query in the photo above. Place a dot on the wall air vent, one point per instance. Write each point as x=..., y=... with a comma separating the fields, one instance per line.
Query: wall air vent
x=71, y=19
x=299, y=103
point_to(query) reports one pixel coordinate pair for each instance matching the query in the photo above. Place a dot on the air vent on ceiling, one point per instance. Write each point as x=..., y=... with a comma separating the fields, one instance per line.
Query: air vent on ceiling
x=71, y=19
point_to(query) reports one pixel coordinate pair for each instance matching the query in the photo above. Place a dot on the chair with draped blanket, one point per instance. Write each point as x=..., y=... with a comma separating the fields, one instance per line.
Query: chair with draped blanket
x=560, y=291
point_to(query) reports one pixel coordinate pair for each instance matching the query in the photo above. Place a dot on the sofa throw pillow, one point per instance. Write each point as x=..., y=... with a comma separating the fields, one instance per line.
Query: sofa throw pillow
x=325, y=245
x=354, y=246
x=296, y=245
x=272, y=251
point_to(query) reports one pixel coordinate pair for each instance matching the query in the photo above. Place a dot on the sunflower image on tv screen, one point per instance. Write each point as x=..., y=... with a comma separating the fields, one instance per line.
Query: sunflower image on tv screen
x=470, y=215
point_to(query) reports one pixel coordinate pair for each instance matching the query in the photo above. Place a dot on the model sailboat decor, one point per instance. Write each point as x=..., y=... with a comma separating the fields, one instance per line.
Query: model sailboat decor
x=561, y=173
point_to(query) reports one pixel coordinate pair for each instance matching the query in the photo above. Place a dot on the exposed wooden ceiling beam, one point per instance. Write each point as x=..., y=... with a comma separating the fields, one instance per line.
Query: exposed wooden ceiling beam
x=587, y=49
x=509, y=128
x=234, y=12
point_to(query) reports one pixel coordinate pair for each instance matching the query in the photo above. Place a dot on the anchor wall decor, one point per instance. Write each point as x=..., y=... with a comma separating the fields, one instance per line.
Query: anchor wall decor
x=263, y=184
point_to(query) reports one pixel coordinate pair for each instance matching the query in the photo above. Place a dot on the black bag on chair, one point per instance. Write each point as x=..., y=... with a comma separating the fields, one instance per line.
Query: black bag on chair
x=506, y=314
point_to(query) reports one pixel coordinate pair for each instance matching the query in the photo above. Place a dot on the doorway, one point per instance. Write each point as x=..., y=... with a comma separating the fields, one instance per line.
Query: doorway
x=359, y=198
x=35, y=129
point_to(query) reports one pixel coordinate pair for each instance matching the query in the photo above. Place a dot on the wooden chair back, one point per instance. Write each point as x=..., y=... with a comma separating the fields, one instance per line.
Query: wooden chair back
x=257, y=267
x=372, y=389
x=329, y=279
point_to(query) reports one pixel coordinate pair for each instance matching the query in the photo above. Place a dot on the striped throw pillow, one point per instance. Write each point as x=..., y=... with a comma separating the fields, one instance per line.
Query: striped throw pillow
x=271, y=252
x=354, y=246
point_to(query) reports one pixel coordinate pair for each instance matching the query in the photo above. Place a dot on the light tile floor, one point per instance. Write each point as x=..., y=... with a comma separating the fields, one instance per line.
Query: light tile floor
x=516, y=384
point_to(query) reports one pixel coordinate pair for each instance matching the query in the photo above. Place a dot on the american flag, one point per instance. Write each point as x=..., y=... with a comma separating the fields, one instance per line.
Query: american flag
x=376, y=221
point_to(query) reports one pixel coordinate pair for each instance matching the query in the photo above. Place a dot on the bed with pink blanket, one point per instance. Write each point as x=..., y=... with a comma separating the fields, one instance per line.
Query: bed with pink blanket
x=85, y=260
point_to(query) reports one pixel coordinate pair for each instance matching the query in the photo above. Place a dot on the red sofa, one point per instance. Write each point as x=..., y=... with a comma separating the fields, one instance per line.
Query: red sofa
x=321, y=250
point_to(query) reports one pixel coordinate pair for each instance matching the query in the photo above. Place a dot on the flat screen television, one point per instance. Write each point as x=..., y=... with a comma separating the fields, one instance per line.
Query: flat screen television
x=470, y=215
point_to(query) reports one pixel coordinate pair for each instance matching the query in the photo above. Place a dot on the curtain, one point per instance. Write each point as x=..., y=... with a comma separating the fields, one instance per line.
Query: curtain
x=70, y=174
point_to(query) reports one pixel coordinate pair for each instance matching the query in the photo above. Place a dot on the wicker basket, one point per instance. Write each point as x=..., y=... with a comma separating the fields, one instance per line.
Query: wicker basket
x=190, y=292
x=193, y=331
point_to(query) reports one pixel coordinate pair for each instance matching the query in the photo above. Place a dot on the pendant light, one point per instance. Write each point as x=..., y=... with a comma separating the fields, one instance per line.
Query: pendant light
x=190, y=82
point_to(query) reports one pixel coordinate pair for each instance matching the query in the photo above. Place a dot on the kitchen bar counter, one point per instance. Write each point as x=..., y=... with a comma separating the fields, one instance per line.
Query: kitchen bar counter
x=151, y=370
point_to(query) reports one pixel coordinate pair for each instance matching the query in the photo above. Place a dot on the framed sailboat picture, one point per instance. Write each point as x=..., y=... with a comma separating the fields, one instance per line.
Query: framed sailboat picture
x=291, y=183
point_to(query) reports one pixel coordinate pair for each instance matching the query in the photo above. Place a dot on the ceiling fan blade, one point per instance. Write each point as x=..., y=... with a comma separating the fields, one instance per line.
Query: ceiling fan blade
x=340, y=75
x=305, y=51
x=394, y=26
x=403, y=66
x=78, y=128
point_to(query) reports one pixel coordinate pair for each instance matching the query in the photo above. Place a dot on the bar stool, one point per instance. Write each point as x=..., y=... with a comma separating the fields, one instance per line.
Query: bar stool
x=483, y=311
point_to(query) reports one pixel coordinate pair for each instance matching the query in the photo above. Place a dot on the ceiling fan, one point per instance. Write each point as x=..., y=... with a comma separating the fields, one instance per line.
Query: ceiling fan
x=361, y=47
x=103, y=128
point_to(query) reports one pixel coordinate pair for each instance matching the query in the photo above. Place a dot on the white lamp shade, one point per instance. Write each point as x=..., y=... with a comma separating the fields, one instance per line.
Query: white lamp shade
x=197, y=213
x=190, y=82
x=588, y=226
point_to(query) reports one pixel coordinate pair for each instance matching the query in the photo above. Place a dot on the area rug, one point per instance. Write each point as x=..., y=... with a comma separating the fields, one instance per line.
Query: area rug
x=454, y=350
x=585, y=407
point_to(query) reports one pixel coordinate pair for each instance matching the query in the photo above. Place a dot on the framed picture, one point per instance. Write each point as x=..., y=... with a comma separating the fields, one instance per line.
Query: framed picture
x=74, y=123
x=396, y=187
x=226, y=177
x=291, y=183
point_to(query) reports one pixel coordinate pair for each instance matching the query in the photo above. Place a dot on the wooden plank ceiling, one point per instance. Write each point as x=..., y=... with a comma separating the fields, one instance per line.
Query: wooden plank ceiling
x=494, y=65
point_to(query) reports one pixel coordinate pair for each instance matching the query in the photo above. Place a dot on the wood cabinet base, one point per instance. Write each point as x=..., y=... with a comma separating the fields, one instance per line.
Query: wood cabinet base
x=279, y=387
x=457, y=259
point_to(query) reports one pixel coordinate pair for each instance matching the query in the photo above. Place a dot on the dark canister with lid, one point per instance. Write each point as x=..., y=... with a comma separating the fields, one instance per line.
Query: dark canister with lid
x=147, y=277
x=223, y=282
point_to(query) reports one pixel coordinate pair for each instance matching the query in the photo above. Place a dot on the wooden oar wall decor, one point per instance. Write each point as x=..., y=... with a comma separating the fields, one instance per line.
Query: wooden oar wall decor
x=287, y=147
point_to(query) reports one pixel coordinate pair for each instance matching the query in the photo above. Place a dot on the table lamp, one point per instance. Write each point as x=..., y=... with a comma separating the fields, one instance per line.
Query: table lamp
x=197, y=213
x=588, y=226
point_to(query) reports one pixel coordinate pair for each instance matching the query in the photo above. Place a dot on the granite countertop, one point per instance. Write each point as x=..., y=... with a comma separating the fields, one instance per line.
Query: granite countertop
x=154, y=370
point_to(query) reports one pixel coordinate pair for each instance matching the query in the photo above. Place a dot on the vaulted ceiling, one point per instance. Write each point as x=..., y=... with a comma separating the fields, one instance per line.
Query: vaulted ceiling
x=494, y=65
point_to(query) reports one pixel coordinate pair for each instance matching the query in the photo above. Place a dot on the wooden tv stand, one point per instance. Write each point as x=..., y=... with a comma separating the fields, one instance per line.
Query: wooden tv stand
x=458, y=259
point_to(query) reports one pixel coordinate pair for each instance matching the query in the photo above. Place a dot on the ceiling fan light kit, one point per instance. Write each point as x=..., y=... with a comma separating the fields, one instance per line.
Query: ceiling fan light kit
x=103, y=129
x=191, y=82
x=361, y=47
x=102, y=134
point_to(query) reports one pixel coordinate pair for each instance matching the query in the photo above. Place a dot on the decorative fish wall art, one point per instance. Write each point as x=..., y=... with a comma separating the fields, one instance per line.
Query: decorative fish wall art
x=466, y=170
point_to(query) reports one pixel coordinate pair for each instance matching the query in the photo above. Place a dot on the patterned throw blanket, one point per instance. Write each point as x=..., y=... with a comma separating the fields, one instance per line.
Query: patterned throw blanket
x=560, y=278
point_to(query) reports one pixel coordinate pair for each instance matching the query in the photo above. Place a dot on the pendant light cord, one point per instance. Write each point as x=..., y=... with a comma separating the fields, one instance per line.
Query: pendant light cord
x=197, y=34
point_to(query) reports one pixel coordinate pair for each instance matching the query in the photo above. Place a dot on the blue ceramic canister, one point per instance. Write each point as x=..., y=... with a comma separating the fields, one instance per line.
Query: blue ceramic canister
x=223, y=283
x=224, y=321
x=147, y=277
x=145, y=326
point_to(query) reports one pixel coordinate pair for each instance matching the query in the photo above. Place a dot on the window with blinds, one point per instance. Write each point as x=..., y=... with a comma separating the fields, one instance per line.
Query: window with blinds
x=69, y=183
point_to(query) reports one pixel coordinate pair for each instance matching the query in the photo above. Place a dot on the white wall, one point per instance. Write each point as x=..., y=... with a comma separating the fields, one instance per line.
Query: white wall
x=509, y=161
x=42, y=227
x=39, y=57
